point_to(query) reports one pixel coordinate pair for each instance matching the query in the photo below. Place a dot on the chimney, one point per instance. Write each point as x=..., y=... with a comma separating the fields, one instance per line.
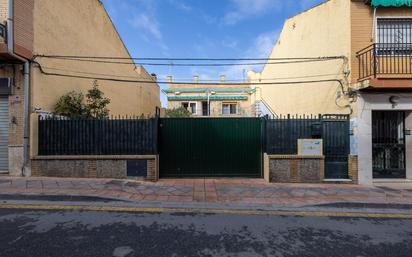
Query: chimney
x=196, y=78
x=222, y=78
x=154, y=76
x=169, y=79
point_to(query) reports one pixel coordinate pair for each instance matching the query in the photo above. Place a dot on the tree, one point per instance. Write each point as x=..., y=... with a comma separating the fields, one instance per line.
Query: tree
x=70, y=105
x=178, y=113
x=96, y=106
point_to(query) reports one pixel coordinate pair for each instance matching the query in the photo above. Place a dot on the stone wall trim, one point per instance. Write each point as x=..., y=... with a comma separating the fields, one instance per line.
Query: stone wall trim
x=95, y=157
x=296, y=157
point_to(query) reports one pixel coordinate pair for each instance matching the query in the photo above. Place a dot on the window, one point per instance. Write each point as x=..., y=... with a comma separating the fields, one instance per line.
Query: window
x=394, y=36
x=229, y=108
x=205, y=111
x=193, y=108
x=190, y=106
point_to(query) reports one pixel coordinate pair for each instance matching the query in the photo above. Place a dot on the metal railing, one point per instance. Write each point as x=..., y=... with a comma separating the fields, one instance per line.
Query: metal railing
x=282, y=134
x=385, y=59
x=263, y=109
x=3, y=31
x=116, y=136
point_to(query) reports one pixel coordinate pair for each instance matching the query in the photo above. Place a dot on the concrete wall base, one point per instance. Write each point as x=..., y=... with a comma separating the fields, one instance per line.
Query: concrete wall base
x=90, y=166
x=295, y=169
x=15, y=160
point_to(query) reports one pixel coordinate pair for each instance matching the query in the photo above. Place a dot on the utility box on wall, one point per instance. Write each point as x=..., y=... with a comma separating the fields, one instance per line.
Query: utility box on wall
x=310, y=147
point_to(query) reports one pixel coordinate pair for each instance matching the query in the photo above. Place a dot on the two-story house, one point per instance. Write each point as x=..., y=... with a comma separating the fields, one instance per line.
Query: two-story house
x=350, y=57
x=72, y=28
x=211, y=99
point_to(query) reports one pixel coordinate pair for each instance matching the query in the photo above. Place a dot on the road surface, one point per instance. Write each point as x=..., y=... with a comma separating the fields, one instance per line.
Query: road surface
x=77, y=233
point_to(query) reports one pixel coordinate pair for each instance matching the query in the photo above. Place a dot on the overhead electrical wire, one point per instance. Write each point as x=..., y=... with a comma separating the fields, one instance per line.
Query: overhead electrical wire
x=186, y=59
x=184, y=83
x=107, y=60
x=191, y=79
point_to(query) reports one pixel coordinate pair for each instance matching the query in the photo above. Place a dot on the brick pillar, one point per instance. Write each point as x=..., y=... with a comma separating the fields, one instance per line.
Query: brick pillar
x=153, y=169
x=353, y=168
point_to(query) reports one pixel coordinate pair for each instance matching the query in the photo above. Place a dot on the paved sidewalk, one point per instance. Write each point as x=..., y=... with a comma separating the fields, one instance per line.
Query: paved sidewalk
x=248, y=192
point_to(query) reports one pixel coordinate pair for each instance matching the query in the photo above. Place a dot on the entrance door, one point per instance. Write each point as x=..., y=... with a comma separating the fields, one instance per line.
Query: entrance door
x=336, y=148
x=4, y=134
x=388, y=144
x=210, y=147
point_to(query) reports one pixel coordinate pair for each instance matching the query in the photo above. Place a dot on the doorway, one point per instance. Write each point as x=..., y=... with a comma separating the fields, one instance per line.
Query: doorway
x=388, y=144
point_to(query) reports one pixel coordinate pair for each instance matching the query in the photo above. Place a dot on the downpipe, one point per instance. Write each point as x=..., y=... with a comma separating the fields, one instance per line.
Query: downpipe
x=26, y=85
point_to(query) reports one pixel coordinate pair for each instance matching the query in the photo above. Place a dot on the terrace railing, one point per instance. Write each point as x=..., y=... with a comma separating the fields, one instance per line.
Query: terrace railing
x=385, y=59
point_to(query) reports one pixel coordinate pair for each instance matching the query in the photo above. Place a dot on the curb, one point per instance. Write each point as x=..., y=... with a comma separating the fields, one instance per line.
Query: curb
x=96, y=203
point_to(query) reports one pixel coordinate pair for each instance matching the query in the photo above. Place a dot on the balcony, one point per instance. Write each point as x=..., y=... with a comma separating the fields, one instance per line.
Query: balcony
x=385, y=60
x=3, y=32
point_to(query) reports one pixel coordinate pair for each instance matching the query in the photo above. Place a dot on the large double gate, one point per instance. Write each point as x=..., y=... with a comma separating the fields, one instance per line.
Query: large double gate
x=210, y=147
x=200, y=147
x=233, y=147
x=282, y=136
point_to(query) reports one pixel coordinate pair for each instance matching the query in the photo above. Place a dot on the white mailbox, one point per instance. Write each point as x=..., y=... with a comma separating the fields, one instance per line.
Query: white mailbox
x=310, y=147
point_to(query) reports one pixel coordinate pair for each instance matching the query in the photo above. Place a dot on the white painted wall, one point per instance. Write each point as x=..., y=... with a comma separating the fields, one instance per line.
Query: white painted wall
x=368, y=102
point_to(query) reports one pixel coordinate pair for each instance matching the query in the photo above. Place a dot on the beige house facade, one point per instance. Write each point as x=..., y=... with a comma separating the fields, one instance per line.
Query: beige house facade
x=349, y=57
x=216, y=99
x=32, y=84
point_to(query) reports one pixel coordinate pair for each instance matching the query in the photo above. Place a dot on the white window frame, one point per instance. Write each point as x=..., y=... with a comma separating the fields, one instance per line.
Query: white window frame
x=189, y=108
x=376, y=37
x=230, y=103
x=191, y=111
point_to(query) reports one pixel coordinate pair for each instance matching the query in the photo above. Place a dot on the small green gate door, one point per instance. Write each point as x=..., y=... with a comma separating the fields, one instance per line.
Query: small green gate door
x=210, y=147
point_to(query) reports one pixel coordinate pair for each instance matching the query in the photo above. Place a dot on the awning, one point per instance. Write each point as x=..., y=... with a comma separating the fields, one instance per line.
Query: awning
x=388, y=3
x=212, y=98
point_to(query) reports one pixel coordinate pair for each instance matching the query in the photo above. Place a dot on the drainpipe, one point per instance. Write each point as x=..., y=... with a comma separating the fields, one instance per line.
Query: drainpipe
x=374, y=26
x=208, y=102
x=26, y=84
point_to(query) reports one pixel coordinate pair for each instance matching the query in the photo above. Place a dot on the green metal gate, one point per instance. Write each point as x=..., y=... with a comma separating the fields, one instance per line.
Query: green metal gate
x=210, y=147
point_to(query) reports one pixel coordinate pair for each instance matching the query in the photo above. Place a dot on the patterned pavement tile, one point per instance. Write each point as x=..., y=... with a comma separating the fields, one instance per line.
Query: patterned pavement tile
x=211, y=190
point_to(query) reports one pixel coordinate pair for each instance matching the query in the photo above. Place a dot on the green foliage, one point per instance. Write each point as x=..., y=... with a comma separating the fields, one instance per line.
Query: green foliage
x=96, y=106
x=73, y=104
x=70, y=105
x=178, y=113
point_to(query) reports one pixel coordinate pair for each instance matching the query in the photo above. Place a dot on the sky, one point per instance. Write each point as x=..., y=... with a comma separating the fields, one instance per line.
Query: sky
x=202, y=29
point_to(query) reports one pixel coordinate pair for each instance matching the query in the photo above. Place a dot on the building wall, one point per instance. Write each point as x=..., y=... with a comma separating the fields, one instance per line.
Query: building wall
x=23, y=11
x=366, y=104
x=246, y=107
x=3, y=10
x=82, y=27
x=321, y=31
x=362, y=28
x=15, y=117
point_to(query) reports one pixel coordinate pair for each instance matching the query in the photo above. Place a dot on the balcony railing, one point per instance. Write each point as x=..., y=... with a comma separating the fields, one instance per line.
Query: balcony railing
x=385, y=60
x=3, y=31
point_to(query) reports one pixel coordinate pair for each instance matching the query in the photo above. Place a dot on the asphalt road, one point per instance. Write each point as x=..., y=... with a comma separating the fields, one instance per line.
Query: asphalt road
x=91, y=233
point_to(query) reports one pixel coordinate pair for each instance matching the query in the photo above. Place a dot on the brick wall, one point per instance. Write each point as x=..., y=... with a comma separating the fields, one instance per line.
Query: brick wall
x=16, y=119
x=362, y=28
x=3, y=10
x=152, y=170
x=16, y=109
x=88, y=167
x=23, y=27
x=353, y=168
x=296, y=169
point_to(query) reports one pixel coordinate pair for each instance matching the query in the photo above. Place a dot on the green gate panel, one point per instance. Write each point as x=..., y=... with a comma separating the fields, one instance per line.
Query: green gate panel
x=210, y=147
